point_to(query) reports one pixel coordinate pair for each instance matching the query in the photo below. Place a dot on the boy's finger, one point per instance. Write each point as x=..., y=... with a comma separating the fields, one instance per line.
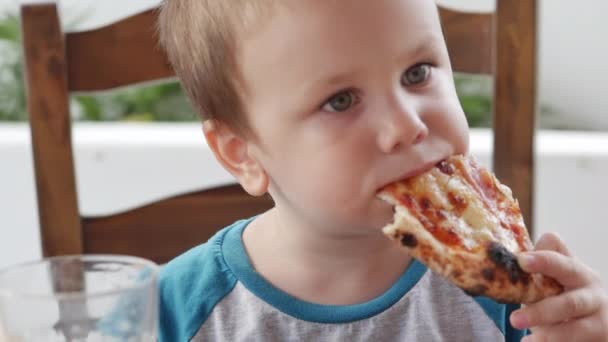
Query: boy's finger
x=568, y=271
x=553, y=310
x=584, y=329
x=552, y=242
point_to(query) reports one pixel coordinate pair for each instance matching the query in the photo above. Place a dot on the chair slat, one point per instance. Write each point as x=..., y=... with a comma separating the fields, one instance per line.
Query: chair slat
x=124, y=53
x=48, y=108
x=185, y=221
x=515, y=100
x=469, y=37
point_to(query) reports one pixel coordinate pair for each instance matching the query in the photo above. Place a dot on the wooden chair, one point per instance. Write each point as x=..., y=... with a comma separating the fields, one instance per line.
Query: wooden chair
x=126, y=52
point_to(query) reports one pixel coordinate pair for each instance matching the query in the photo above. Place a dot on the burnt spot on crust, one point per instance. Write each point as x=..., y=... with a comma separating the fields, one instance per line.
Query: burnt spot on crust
x=488, y=274
x=477, y=290
x=409, y=240
x=507, y=261
x=445, y=167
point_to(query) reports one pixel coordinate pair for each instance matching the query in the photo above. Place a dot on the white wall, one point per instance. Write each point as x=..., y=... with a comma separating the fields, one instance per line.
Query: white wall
x=124, y=165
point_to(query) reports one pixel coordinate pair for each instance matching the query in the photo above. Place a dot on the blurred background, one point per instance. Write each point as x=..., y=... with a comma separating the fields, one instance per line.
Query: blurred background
x=139, y=144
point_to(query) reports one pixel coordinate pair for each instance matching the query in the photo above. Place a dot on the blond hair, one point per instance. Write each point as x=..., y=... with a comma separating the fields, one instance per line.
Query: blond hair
x=200, y=38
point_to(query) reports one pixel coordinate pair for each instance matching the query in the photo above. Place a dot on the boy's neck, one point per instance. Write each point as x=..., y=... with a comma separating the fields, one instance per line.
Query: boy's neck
x=332, y=271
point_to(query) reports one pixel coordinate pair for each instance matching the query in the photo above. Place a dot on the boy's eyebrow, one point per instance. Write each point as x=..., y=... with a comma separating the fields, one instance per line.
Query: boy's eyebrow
x=334, y=79
x=325, y=82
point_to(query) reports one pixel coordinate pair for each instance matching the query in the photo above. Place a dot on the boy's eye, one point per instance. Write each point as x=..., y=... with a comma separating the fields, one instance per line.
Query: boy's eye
x=416, y=74
x=340, y=102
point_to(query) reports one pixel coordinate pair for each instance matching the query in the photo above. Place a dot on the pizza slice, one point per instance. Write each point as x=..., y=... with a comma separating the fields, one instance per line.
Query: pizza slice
x=460, y=221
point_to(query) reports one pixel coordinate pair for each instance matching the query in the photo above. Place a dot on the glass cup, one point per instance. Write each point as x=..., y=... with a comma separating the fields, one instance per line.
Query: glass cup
x=79, y=298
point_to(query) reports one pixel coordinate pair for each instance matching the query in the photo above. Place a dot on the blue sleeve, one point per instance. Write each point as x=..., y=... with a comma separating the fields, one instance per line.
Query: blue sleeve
x=190, y=286
x=500, y=314
x=512, y=334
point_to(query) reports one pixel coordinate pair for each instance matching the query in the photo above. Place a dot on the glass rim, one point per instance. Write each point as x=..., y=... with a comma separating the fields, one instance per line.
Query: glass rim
x=15, y=293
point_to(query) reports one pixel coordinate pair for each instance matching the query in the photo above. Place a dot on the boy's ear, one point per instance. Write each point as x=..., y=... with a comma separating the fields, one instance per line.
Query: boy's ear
x=234, y=153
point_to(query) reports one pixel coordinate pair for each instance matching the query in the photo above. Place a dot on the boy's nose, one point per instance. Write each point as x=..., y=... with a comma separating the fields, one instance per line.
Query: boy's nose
x=401, y=127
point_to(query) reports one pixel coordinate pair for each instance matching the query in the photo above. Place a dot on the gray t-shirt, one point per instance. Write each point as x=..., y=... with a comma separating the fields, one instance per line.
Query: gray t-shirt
x=212, y=293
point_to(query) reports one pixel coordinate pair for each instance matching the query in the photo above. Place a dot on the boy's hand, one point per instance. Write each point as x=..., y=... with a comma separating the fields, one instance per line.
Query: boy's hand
x=579, y=314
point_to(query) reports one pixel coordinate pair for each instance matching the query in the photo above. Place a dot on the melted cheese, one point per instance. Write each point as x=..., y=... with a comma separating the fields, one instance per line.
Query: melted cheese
x=476, y=219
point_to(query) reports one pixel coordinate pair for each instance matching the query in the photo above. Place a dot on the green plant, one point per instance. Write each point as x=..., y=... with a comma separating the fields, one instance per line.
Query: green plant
x=12, y=88
x=162, y=102
x=475, y=95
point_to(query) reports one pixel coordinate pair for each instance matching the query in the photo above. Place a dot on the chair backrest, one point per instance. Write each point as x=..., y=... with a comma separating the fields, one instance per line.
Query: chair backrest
x=57, y=63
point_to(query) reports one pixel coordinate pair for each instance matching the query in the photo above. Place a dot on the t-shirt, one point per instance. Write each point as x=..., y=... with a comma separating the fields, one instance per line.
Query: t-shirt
x=213, y=293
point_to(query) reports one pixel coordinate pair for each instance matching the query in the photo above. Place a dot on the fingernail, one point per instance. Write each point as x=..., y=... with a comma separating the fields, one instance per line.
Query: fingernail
x=519, y=320
x=525, y=261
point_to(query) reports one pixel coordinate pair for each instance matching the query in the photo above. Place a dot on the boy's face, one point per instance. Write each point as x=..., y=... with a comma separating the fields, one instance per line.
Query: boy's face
x=346, y=97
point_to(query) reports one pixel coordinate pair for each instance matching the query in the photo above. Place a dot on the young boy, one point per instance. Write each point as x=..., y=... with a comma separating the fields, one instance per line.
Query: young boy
x=321, y=103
